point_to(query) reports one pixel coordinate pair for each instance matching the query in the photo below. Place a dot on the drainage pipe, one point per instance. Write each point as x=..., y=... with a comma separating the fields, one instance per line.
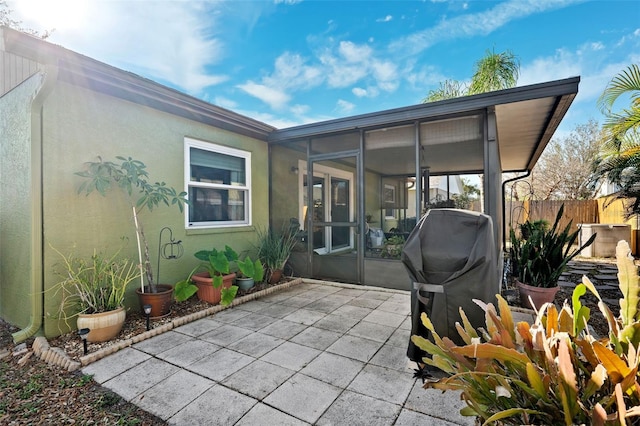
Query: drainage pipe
x=50, y=76
x=504, y=210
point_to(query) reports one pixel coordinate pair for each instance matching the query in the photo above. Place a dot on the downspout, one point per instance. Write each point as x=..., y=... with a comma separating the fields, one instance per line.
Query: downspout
x=37, y=204
x=504, y=209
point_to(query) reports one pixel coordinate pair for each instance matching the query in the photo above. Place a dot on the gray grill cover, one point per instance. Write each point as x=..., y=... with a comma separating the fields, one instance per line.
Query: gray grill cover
x=454, y=250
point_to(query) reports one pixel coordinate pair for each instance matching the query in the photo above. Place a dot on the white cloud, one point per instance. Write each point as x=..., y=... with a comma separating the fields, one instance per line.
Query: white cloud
x=276, y=99
x=354, y=53
x=563, y=64
x=170, y=42
x=385, y=19
x=225, y=102
x=344, y=107
x=386, y=74
x=470, y=25
x=299, y=110
x=359, y=92
x=291, y=71
x=593, y=62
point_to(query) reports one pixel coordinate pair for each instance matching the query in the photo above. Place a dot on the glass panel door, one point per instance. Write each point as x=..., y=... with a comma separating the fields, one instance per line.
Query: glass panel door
x=334, y=222
x=340, y=212
x=318, y=210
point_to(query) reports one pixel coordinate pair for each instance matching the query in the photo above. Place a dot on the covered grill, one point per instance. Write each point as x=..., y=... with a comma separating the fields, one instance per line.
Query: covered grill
x=451, y=258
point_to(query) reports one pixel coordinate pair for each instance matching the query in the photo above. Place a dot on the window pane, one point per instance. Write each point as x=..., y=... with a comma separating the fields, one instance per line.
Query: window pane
x=216, y=205
x=213, y=167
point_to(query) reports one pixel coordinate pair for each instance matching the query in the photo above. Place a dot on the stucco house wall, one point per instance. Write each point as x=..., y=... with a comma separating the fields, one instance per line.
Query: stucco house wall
x=57, y=119
x=16, y=192
x=80, y=125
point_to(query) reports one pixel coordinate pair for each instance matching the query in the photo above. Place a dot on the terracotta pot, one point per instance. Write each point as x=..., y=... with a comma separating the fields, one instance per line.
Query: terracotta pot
x=160, y=301
x=539, y=295
x=245, y=283
x=276, y=276
x=102, y=326
x=206, y=291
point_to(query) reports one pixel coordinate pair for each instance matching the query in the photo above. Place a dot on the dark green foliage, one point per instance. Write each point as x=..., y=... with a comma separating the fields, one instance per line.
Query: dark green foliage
x=542, y=257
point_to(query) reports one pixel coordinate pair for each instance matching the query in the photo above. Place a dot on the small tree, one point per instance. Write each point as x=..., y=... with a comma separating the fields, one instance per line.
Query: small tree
x=132, y=178
x=564, y=170
x=470, y=193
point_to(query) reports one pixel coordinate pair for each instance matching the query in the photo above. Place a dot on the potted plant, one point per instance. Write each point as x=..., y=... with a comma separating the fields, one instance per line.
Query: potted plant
x=249, y=272
x=131, y=177
x=93, y=290
x=215, y=285
x=541, y=258
x=393, y=246
x=551, y=372
x=184, y=289
x=274, y=250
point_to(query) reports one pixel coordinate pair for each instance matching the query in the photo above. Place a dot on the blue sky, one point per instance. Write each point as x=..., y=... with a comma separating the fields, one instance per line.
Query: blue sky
x=288, y=62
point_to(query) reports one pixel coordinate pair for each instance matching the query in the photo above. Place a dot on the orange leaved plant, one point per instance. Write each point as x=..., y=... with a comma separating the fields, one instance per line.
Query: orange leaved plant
x=553, y=371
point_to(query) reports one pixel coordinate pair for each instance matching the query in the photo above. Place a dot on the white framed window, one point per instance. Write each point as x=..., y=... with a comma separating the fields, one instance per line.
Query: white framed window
x=218, y=184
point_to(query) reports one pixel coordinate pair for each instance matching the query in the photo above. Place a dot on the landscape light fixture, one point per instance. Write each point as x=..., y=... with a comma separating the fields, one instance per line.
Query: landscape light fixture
x=147, y=313
x=83, y=333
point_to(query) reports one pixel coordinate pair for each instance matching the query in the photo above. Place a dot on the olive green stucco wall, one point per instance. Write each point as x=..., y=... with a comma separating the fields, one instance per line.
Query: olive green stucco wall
x=284, y=185
x=16, y=208
x=80, y=125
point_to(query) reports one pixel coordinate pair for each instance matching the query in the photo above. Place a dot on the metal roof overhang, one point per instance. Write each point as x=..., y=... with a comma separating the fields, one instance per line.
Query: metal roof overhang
x=526, y=118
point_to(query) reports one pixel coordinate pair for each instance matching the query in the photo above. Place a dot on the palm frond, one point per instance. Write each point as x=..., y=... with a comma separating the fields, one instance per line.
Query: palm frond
x=627, y=81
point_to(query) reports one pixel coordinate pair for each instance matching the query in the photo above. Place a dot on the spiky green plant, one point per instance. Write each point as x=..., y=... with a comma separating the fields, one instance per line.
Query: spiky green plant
x=94, y=284
x=543, y=255
x=553, y=371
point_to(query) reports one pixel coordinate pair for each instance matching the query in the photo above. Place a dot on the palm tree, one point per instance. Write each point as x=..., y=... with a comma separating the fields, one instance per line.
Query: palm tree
x=495, y=71
x=447, y=89
x=619, y=161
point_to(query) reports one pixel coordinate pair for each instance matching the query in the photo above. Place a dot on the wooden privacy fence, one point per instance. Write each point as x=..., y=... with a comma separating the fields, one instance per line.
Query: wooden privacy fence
x=575, y=211
x=602, y=210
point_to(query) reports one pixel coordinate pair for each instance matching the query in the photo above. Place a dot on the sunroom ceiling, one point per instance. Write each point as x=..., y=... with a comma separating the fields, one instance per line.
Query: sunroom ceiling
x=451, y=131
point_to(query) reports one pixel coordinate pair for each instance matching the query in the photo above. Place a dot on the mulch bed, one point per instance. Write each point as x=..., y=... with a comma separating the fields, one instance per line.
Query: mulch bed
x=136, y=323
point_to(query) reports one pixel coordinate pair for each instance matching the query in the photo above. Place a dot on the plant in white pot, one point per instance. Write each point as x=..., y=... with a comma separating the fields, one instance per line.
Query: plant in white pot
x=132, y=179
x=93, y=290
x=250, y=272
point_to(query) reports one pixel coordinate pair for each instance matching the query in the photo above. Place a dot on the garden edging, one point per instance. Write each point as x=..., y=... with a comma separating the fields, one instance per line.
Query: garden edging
x=57, y=357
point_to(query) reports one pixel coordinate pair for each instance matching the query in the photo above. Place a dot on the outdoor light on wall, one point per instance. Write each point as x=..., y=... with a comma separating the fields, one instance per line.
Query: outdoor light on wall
x=294, y=170
x=147, y=313
x=83, y=333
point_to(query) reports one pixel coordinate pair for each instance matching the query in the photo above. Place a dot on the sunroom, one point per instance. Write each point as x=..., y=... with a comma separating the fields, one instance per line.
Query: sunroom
x=350, y=185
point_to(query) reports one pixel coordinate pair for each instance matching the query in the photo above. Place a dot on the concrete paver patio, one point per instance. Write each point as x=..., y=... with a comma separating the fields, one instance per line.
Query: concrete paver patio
x=316, y=353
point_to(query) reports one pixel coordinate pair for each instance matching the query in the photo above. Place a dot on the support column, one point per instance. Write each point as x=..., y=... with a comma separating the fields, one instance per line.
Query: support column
x=493, y=177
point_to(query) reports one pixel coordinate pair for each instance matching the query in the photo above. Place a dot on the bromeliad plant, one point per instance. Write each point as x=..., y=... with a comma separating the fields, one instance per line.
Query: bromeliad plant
x=551, y=372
